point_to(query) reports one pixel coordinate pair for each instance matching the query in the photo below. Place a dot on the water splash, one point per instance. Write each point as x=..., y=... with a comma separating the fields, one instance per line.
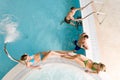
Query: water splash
x=8, y=26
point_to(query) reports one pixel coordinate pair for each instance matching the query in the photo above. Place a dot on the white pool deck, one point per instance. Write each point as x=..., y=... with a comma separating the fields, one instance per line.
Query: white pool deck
x=89, y=25
x=108, y=35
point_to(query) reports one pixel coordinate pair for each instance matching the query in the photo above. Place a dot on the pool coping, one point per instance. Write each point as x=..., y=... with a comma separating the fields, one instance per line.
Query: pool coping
x=88, y=27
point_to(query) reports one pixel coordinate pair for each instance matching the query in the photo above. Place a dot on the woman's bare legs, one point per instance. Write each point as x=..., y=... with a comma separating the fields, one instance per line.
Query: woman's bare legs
x=46, y=55
x=50, y=53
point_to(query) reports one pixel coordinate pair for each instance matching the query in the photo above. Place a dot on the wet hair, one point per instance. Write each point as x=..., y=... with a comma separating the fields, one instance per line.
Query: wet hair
x=23, y=57
x=86, y=36
x=72, y=8
x=102, y=67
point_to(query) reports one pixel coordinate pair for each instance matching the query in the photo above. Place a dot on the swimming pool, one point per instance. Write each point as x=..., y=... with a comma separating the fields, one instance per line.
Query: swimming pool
x=38, y=25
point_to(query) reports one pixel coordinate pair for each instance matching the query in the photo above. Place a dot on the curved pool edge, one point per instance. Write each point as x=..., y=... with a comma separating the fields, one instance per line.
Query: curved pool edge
x=50, y=70
x=15, y=72
x=19, y=72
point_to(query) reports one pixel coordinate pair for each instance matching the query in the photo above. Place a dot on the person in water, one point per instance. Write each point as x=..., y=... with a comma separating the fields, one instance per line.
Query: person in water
x=82, y=42
x=70, y=16
x=91, y=67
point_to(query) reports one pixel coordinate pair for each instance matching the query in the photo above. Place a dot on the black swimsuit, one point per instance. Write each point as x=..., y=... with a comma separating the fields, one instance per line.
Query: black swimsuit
x=67, y=21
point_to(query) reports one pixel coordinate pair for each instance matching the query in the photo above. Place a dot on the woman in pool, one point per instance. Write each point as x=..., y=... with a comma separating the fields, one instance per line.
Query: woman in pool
x=92, y=67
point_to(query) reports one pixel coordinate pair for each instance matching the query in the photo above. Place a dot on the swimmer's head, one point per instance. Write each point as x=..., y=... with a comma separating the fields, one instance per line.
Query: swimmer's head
x=24, y=57
x=102, y=67
x=72, y=8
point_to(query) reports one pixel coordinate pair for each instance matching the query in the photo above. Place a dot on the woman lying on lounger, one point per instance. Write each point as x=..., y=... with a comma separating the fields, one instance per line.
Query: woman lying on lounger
x=92, y=67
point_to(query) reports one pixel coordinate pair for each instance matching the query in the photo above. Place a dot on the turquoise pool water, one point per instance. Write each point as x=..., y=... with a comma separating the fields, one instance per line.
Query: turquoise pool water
x=37, y=28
